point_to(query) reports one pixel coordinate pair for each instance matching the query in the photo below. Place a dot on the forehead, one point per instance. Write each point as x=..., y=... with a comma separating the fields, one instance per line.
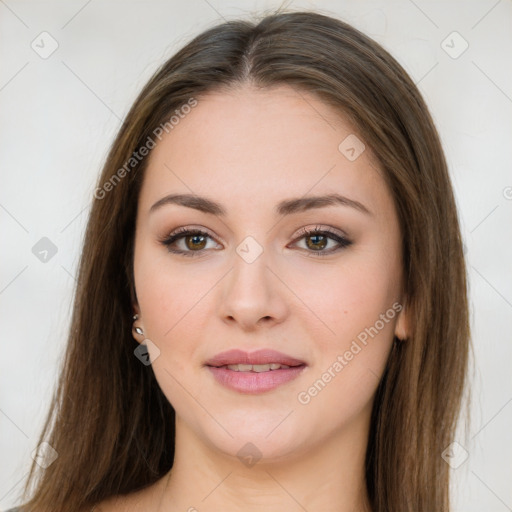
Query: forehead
x=256, y=145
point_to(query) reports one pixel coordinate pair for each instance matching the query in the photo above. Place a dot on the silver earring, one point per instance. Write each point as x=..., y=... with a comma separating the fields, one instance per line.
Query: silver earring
x=138, y=330
x=135, y=317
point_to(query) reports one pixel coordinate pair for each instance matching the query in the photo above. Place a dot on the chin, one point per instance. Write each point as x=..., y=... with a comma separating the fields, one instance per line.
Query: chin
x=257, y=436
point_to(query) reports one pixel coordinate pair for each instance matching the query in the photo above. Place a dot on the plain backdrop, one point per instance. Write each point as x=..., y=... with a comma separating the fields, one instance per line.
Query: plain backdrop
x=59, y=113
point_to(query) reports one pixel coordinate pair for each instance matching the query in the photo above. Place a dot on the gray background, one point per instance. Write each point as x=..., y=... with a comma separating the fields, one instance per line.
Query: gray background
x=59, y=114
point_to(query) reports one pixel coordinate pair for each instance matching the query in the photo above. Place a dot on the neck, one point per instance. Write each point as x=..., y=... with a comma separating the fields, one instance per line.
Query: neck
x=326, y=477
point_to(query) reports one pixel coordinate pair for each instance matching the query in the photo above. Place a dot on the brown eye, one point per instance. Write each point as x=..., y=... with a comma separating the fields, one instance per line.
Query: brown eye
x=194, y=242
x=316, y=242
x=188, y=242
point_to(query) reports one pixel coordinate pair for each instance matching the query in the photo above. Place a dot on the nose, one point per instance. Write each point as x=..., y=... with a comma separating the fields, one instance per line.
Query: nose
x=253, y=295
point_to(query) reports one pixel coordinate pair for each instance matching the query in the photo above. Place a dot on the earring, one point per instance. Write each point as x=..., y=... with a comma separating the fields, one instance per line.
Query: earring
x=138, y=330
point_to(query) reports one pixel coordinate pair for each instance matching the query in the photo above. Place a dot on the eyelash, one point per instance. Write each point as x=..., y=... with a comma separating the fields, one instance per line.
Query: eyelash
x=304, y=233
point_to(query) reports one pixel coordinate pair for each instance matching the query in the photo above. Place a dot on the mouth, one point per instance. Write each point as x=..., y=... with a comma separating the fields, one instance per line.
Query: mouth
x=255, y=372
x=257, y=368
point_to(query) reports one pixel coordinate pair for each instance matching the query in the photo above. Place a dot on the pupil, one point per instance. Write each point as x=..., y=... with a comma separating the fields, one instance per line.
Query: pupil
x=195, y=237
x=322, y=241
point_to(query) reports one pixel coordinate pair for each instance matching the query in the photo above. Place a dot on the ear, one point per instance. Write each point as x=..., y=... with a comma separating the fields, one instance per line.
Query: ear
x=402, y=325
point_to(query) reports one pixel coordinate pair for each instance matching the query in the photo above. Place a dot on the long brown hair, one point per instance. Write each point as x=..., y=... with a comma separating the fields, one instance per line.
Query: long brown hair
x=109, y=422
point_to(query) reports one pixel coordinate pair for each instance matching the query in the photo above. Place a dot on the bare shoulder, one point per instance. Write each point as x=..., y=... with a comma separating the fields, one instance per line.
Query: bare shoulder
x=113, y=504
x=120, y=503
x=144, y=499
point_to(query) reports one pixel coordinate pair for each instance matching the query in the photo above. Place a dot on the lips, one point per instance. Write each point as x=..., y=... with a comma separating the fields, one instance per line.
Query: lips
x=258, y=368
x=260, y=357
x=255, y=372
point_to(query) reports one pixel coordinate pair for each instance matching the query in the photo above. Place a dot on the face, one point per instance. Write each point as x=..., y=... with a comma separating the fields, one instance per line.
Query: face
x=252, y=274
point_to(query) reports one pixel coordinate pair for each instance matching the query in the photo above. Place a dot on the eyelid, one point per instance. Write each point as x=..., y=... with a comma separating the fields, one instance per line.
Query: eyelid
x=180, y=233
x=194, y=229
x=339, y=237
x=331, y=233
x=306, y=230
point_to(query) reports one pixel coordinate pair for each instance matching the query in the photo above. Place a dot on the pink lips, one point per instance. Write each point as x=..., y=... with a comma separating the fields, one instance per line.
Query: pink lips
x=264, y=356
x=254, y=382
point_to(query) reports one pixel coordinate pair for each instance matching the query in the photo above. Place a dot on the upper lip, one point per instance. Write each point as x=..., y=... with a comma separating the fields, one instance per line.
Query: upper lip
x=264, y=356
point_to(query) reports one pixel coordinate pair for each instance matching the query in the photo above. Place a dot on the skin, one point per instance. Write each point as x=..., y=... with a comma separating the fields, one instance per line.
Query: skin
x=248, y=149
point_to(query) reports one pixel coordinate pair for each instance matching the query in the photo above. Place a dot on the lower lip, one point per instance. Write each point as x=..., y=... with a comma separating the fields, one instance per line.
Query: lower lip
x=255, y=382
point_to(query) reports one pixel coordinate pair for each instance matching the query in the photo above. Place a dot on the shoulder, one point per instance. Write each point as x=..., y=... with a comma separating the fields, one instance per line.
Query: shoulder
x=111, y=505
x=143, y=499
x=21, y=509
x=147, y=498
x=114, y=504
x=122, y=503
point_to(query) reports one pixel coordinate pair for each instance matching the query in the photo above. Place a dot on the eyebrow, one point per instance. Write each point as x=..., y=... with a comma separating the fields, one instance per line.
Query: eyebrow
x=286, y=207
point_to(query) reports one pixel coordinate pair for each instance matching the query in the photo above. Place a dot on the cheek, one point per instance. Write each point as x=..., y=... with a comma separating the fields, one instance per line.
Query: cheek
x=355, y=302
x=173, y=318
x=351, y=361
x=341, y=300
x=369, y=295
x=168, y=295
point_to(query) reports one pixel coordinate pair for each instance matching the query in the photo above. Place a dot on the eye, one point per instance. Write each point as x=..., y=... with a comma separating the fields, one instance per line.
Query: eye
x=194, y=241
x=318, y=239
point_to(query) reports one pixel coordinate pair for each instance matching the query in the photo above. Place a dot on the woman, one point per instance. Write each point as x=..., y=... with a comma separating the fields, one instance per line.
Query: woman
x=271, y=310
